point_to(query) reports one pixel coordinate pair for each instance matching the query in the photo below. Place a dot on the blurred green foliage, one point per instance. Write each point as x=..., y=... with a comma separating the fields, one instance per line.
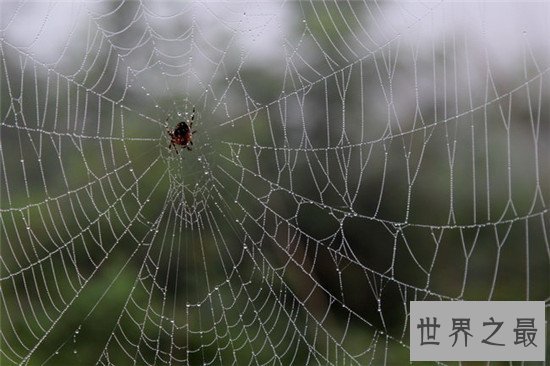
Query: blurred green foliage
x=162, y=243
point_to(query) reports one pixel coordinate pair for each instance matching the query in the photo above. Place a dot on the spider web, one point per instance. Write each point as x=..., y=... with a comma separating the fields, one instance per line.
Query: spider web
x=350, y=157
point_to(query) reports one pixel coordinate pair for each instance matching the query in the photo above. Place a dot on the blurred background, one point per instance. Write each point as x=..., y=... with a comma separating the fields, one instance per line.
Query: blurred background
x=350, y=157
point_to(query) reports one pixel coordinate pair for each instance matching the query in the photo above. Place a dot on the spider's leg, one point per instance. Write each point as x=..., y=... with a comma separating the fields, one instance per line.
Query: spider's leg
x=191, y=142
x=189, y=148
x=194, y=132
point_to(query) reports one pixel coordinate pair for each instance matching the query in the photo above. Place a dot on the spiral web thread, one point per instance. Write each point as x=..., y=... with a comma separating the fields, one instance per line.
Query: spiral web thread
x=350, y=157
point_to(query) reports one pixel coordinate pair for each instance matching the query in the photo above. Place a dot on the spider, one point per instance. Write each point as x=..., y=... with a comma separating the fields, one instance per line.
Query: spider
x=182, y=135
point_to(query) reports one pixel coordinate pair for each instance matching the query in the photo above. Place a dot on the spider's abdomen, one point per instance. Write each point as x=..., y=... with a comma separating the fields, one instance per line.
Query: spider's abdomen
x=182, y=135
